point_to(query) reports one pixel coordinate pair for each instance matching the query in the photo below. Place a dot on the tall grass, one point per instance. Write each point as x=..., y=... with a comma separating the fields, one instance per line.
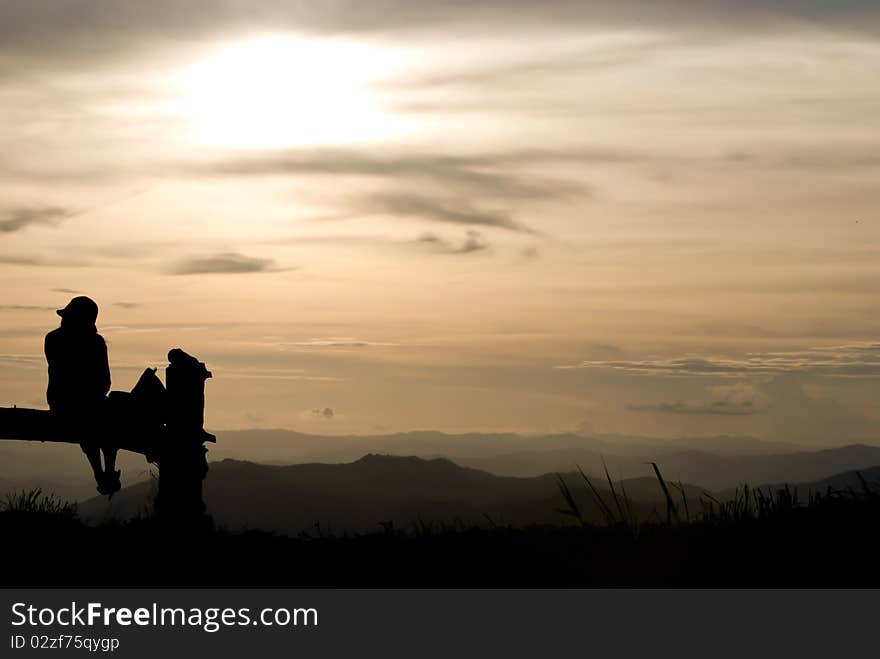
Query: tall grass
x=747, y=503
x=620, y=515
x=36, y=502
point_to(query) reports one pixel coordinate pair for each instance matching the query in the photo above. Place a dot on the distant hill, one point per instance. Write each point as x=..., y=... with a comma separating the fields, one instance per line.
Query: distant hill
x=714, y=472
x=510, y=454
x=715, y=463
x=287, y=446
x=358, y=496
x=843, y=482
x=62, y=469
x=717, y=473
x=848, y=479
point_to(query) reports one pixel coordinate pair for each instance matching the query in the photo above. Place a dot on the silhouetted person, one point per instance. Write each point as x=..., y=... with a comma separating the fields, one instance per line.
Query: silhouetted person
x=79, y=380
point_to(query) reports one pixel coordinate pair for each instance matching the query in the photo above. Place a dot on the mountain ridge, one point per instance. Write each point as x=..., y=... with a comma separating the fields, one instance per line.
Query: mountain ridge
x=380, y=489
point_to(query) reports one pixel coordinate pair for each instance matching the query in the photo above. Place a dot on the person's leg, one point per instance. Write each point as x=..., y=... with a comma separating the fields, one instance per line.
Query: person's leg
x=112, y=423
x=112, y=481
x=93, y=454
x=109, y=459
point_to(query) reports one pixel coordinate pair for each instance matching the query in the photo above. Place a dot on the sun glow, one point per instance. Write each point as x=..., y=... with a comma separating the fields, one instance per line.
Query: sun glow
x=279, y=91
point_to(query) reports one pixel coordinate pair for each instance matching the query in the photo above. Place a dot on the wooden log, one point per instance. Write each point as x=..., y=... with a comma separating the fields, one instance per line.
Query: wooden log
x=20, y=423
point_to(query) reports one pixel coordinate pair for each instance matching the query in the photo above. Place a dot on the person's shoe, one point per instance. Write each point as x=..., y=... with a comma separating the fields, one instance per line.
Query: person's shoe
x=114, y=483
x=103, y=484
x=109, y=484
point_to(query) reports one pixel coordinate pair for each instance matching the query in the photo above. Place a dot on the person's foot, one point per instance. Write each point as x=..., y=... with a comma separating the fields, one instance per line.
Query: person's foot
x=103, y=484
x=114, y=482
x=109, y=483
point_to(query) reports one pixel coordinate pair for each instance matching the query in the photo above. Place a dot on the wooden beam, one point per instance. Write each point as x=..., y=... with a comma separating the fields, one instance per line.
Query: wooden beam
x=21, y=423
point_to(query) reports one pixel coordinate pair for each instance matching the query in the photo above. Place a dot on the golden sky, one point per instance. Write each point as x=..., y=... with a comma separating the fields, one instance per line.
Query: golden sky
x=614, y=217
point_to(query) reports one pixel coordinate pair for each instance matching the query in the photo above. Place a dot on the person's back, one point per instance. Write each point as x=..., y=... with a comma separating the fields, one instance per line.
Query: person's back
x=79, y=372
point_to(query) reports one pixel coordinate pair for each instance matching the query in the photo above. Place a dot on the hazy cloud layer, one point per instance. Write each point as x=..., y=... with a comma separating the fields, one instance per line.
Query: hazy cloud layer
x=474, y=242
x=490, y=174
x=443, y=210
x=722, y=408
x=527, y=70
x=479, y=190
x=325, y=413
x=26, y=307
x=23, y=361
x=335, y=342
x=678, y=163
x=68, y=32
x=19, y=219
x=223, y=263
x=861, y=360
x=737, y=399
x=41, y=262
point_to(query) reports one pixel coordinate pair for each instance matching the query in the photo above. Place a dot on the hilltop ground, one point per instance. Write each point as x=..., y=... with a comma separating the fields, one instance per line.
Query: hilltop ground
x=406, y=521
x=756, y=540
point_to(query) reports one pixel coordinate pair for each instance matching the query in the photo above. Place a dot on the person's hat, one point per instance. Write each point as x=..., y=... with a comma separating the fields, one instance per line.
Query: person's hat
x=81, y=308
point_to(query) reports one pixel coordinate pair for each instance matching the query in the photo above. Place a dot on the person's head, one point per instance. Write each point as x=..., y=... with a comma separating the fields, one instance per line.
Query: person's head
x=80, y=310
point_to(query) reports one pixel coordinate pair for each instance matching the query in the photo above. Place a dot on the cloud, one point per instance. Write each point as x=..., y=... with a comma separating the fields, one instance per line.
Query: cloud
x=320, y=415
x=480, y=190
x=607, y=350
x=42, y=262
x=26, y=307
x=526, y=70
x=474, y=242
x=224, y=263
x=529, y=253
x=325, y=413
x=719, y=407
x=488, y=175
x=443, y=210
x=336, y=342
x=858, y=360
x=126, y=305
x=739, y=399
x=19, y=219
x=810, y=158
x=71, y=33
x=69, y=291
x=23, y=361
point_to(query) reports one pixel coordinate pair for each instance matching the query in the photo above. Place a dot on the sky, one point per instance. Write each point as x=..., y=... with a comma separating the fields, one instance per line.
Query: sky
x=367, y=217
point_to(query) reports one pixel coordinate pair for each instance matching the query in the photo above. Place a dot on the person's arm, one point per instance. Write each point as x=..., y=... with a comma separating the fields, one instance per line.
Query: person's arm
x=104, y=366
x=50, y=350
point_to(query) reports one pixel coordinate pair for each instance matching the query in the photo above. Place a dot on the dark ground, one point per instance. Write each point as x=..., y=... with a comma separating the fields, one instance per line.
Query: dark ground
x=832, y=541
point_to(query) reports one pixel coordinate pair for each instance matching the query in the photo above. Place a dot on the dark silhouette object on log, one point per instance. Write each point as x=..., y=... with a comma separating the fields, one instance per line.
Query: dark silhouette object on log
x=182, y=456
